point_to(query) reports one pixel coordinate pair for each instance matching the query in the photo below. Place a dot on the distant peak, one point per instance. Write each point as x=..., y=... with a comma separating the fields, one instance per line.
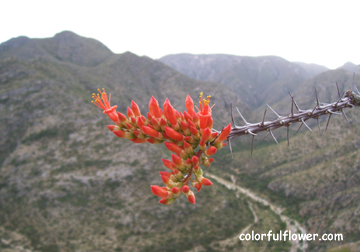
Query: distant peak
x=66, y=34
x=349, y=64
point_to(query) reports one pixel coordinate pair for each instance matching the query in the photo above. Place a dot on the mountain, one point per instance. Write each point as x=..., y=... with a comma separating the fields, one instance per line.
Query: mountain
x=351, y=67
x=256, y=80
x=312, y=69
x=68, y=184
x=65, y=46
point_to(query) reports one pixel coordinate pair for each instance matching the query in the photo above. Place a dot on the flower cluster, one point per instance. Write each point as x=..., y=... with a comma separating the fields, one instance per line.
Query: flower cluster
x=189, y=135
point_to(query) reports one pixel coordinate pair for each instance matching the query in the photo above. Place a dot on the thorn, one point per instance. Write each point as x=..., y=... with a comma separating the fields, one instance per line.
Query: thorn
x=313, y=110
x=339, y=100
x=251, y=133
x=305, y=124
x=345, y=116
x=287, y=135
x=327, y=124
x=299, y=128
x=273, y=111
x=266, y=135
x=232, y=118
x=332, y=112
x=318, y=125
x=298, y=108
x=242, y=117
x=292, y=105
x=357, y=90
x=262, y=123
x=317, y=99
x=337, y=87
x=229, y=141
x=252, y=144
x=273, y=136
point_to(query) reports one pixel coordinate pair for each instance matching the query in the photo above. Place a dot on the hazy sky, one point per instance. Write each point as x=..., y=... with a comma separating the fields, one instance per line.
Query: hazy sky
x=321, y=32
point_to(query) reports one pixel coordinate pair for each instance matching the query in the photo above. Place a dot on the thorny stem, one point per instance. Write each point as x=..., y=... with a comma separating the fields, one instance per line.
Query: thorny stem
x=348, y=101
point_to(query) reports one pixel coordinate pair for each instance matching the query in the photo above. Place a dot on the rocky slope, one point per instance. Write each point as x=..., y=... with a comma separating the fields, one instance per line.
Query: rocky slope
x=256, y=80
x=68, y=184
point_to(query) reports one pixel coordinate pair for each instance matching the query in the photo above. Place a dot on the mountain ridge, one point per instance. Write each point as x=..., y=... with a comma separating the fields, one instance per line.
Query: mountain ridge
x=253, y=79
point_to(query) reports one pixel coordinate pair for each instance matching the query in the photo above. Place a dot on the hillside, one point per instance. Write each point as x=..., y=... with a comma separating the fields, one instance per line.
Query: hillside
x=256, y=80
x=67, y=183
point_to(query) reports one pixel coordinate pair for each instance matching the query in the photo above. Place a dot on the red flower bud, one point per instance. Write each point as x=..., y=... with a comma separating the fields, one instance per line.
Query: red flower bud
x=130, y=113
x=175, y=190
x=191, y=199
x=189, y=103
x=188, y=149
x=206, y=182
x=135, y=108
x=154, y=108
x=160, y=192
x=195, y=160
x=119, y=133
x=185, y=189
x=206, y=133
x=163, y=122
x=166, y=201
x=112, y=127
x=202, y=146
x=165, y=179
x=191, y=124
x=177, y=160
x=182, y=117
x=177, y=115
x=149, y=116
x=188, y=116
x=173, y=147
x=197, y=185
x=194, y=131
x=164, y=173
x=139, y=122
x=224, y=133
x=169, y=112
x=196, y=118
x=122, y=118
x=213, y=136
x=173, y=134
x=168, y=164
x=155, y=124
x=211, y=151
x=133, y=120
x=151, y=132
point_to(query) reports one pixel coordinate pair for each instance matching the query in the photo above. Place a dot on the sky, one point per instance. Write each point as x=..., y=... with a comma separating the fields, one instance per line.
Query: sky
x=320, y=32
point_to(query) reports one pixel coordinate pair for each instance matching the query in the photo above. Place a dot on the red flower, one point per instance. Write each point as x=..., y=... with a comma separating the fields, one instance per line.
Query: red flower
x=205, y=112
x=104, y=104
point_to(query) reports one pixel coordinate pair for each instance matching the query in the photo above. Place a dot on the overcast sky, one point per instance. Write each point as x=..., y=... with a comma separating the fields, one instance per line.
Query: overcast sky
x=321, y=32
